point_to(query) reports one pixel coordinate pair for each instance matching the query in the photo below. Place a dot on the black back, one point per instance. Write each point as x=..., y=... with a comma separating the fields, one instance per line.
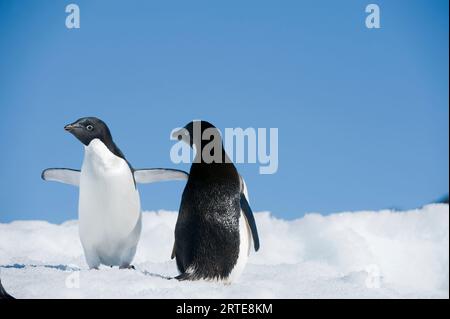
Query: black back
x=207, y=229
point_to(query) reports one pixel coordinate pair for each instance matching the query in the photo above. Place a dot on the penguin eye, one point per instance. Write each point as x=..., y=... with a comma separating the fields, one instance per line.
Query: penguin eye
x=89, y=127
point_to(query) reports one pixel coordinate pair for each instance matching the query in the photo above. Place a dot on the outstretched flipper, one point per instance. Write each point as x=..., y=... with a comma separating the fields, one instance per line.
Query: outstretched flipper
x=152, y=175
x=250, y=220
x=3, y=293
x=62, y=175
x=142, y=176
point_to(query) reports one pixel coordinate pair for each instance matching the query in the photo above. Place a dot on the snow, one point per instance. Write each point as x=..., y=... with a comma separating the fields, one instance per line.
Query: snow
x=385, y=254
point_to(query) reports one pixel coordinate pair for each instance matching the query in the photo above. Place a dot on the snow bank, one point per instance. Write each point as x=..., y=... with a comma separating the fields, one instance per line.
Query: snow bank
x=384, y=254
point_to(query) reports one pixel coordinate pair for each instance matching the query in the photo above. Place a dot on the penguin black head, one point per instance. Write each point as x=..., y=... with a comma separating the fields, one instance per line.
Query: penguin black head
x=88, y=128
x=206, y=139
x=197, y=133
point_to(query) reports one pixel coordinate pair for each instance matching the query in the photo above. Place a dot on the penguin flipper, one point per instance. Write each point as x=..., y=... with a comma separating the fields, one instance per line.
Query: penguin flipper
x=3, y=294
x=245, y=206
x=62, y=175
x=173, y=252
x=152, y=175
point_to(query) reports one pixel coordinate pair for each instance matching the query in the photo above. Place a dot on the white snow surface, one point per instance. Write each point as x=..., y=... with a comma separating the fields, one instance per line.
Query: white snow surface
x=384, y=254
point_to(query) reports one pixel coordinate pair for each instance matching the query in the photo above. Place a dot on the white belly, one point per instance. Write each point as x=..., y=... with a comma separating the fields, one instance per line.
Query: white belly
x=109, y=208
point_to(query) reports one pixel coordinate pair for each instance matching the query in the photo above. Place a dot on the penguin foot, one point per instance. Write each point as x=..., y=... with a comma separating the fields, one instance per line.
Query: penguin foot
x=185, y=276
x=127, y=267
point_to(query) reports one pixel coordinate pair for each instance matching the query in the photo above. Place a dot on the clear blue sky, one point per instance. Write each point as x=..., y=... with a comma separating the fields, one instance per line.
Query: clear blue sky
x=362, y=114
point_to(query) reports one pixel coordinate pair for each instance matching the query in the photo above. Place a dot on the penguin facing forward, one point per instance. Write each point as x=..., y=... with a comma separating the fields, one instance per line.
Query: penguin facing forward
x=109, y=204
x=215, y=226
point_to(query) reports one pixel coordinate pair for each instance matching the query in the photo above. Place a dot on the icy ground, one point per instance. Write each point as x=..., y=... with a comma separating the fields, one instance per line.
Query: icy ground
x=382, y=254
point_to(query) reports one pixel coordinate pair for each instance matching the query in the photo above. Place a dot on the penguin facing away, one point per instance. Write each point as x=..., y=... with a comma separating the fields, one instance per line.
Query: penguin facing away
x=215, y=226
x=109, y=204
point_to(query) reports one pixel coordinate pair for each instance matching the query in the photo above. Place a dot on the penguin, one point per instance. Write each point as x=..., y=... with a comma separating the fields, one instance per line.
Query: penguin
x=109, y=205
x=215, y=225
x=3, y=294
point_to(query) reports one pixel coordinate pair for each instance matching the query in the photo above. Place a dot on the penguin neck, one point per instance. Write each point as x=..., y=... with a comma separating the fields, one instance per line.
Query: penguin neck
x=213, y=170
x=213, y=158
x=112, y=147
x=104, y=153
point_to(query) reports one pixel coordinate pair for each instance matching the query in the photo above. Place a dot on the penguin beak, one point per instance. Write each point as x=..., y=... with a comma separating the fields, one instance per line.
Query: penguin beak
x=71, y=127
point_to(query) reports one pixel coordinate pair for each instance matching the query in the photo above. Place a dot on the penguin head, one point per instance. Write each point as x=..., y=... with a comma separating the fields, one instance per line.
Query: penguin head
x=205, y=139
x=88, y=128
x=197, y=133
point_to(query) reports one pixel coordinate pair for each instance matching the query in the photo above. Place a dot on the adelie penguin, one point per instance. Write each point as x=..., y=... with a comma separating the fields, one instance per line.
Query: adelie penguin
x=109, y=204
x=215, y=226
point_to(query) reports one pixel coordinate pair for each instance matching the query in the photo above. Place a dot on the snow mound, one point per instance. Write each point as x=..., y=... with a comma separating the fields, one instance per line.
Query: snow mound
x=385, y=254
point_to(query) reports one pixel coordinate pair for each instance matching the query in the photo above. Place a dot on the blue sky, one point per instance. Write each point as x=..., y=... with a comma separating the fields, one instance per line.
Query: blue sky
x=362, y=114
